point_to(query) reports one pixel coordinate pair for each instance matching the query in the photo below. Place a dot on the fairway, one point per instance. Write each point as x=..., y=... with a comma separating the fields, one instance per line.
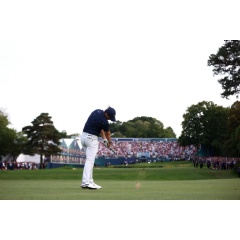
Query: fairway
x=158, y=181
x=214, y=189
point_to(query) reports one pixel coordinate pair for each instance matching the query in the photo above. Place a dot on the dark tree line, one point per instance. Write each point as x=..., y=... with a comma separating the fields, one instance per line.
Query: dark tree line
x=141, y=127
x=39, y=138
x=214, y=127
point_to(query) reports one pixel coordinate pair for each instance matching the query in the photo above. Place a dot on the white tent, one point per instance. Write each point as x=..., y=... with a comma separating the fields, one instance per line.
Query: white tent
x=69, y=141
x=28, y=158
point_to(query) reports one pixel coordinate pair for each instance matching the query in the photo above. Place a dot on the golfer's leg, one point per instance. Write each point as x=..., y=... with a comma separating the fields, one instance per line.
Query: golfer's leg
x=91, y=152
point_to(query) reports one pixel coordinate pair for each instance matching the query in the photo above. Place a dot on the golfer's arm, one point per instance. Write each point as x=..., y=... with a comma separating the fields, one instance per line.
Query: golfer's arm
x=106, y=135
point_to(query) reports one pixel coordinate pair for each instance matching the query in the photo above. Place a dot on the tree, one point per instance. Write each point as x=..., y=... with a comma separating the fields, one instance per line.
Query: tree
x=204, y=124
x=43, y=137
x=232, y=144
x=234, y=117
x=17, y=146
x=215, y=128
x=141, y=127
x=192, y=126
x=115, y=130
x=226, y=62
x=7, y=135
x=11, y=141
x=169, y=133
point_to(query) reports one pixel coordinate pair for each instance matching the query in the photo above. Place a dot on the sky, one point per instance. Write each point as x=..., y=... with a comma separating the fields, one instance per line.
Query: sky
x=143, y=58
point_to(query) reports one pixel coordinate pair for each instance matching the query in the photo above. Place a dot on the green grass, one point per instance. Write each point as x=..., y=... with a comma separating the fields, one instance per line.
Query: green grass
x=215, y=189
x=161, y=181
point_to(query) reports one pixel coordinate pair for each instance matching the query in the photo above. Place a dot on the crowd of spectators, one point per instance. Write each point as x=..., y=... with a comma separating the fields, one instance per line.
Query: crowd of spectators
x=131, y=149
x=14, y=165
x=159, y=150
x=216, y=163
x=151, y=149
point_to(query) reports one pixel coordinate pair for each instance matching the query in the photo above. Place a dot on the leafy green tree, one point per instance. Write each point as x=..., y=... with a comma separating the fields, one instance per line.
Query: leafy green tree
x=192, y=126
x=11, y=141
x=115, y=130
x=232, y=144
x=43, y=137
x=7, y=135
x=215, y=128
x=204, y=124
x=128, y=129
x=141, y=127
x=226, y=62
x=17, y=146
x=234, y=117
x=237, y=141
x=169, y=133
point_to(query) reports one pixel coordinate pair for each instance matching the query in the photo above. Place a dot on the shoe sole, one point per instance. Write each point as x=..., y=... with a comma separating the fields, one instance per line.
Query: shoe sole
x=88, y=188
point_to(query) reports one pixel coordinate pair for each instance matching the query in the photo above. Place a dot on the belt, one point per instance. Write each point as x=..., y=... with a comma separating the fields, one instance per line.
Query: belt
x=90, y=135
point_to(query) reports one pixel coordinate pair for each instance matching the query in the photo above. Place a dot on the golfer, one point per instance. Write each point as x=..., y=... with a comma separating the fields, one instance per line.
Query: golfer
x=97, y=125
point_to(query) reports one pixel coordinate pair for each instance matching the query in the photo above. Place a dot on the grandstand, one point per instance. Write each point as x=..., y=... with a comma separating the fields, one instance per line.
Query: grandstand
x=129, y=151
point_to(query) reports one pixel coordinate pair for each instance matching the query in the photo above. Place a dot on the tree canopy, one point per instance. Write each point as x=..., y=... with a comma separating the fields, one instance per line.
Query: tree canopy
x=226, y=62
x=141, y=127
x=231, y=147
x=205, y=123
x=11, y=142
x=43, y=137
x=213, y=127
x=7, y=135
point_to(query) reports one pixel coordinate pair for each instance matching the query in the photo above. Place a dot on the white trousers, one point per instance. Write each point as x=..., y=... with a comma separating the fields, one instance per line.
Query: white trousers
x=90, y=145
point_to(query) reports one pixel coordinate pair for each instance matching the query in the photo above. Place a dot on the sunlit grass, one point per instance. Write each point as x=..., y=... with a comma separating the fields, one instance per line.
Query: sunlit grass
x=176, y=181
